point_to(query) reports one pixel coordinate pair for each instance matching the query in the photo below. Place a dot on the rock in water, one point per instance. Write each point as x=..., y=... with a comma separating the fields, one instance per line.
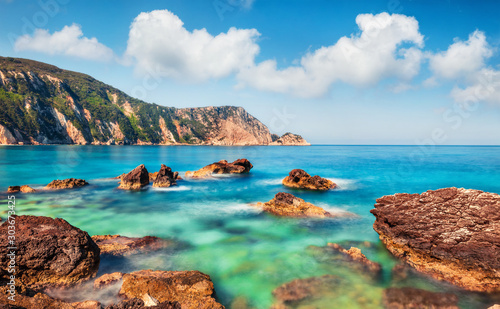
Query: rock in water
x=298, y=178
x=22, y=189
x=66, y=184
x=289, y=139
x=50, y=252
x=192, y=289
x=287, y=205
x=121, y=245
x=135, y=179
x=165, y=177
x=239, y=166
x=400, y=298
x=451, y=234
x=300, y=289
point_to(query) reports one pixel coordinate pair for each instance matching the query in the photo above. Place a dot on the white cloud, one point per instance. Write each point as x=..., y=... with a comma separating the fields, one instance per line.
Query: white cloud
x=484, y=85
x=364, y=59
x=159, y=42
x=69, y=41
x=461, y=58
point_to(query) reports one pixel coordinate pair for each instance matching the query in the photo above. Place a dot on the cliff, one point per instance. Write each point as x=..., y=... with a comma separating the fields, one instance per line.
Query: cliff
x=42, y=104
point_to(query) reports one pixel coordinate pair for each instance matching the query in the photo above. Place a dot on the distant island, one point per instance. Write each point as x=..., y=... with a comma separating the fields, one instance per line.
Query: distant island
x=42, y=104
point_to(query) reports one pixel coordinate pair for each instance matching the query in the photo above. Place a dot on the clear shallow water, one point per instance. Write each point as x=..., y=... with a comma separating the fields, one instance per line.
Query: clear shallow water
x=247, y=253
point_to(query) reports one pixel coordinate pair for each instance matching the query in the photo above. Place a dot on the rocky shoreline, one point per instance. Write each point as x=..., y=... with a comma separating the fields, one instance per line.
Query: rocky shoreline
x=451, y=235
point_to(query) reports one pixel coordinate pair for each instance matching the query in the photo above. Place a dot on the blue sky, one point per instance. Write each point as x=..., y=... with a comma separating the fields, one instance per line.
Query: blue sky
x=336, y=72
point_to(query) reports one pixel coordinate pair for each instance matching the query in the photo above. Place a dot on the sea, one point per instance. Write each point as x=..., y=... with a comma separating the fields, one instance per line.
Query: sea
x=218, y=230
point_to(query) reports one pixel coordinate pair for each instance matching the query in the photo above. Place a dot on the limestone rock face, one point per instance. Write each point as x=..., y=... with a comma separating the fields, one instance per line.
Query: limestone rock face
x=165, y=177
x=299, y=179
x=50, y=252
x=192, y=289
x=400, y=298
x=450, y=234
x=22, y=189
x=135, y=179
x=66, y=184
x=121, y=245
x=287, y=205
x=289, y=139
x=239, y=166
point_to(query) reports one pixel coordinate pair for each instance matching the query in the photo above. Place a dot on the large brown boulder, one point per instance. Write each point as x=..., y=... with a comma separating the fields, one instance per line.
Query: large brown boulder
x=451, y=234
x=22, y=189
x=299, y=179
x=287, y=205
x=135, y=179
x=402, y=298
x=69, y=183
x=165, y=177
x=239, y=166
x=192, y=289
x=121, y=245
x=50, y=252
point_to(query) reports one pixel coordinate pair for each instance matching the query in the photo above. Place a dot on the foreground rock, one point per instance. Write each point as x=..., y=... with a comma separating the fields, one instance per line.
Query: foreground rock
x=287, y=205
x=22, y=189
x=192, y=289
x=43, y=301
x=239, y=166
x=400, y=298
x=451, y=234
x=165, y=177
x=298, y=178
x=135, y=179
x=141, y=304
x=69, y=183
x=107, y=279
x=50, y=252
x=289, y=139
x=121, y=245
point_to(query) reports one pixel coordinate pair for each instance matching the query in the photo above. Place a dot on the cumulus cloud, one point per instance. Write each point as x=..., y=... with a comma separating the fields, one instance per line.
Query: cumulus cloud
x=69, y=41
x=461, y=58
x=362, y=59
x=158, y=42
x=484, y=85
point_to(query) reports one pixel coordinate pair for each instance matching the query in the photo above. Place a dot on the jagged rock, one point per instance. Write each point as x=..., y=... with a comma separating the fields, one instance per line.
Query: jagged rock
x=287, y=205
x=121, y=245
x=165, y=177
x=298, y=178
x=50, y=252
x=39, y=301
x=289, y=139
x=66, y=184
x=136, y=303
x=239, y=166
x=107, y=280
x=22, y=189
x=88, y=304
x=402, y=298
x=300, y=289
x=192, y=289
x=354, y=254
x=135, y=179
x=451, y=234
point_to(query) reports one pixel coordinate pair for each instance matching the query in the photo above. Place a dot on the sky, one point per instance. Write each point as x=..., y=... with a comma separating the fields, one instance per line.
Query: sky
x=394, y=72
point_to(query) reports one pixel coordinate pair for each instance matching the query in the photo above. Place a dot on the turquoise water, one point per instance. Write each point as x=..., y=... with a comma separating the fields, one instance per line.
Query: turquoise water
x=247, y=253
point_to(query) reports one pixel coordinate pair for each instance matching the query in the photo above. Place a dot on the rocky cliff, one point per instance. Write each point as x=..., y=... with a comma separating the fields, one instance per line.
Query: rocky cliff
x=42, y=104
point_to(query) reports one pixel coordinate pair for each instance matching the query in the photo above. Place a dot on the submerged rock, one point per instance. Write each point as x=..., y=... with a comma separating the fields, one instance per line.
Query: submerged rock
x=300, y=289
x=165, y=177
x=121, y=245
x=287, y=205
x=401, y=298
x=354, y=255
x=192, y=289
x=135, y=179
x=66, y=184
x=22, y=189
x=50, y=252
x=298, y=178
x=451, y=234
x=107, y=279
x=239, y=166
